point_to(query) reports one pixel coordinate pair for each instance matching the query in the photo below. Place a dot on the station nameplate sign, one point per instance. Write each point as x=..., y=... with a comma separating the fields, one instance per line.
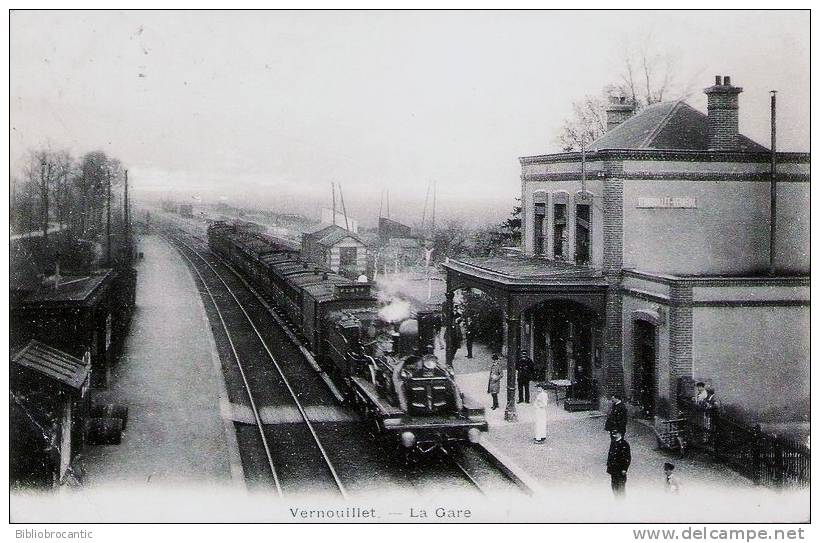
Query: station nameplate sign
x=668, y=203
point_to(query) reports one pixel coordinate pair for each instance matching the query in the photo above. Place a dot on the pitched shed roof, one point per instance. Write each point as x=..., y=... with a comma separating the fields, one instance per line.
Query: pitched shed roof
x=53, y=363
x=331, y=235
x=667, y=125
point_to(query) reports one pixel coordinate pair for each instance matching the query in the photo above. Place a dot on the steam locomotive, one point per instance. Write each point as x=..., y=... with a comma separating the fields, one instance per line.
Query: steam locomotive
x=387, y=370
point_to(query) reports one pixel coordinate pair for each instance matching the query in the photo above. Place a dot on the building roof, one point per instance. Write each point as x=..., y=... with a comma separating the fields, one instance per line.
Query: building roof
x=332, y=234
x=53, y=364
x=72, y=290
x=519, y=269
x=667, y=125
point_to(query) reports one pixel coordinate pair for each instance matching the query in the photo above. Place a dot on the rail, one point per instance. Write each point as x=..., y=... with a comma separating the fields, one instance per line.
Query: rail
x=254, y=409
x=278, y=368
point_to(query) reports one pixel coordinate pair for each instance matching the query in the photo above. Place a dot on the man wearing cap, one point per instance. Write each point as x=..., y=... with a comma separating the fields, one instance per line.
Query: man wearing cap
x=616, y=420
x=617, y=462
x=524, y=367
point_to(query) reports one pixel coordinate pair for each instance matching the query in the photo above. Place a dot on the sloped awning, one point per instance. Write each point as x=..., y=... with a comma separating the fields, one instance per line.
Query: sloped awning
x=66, y=370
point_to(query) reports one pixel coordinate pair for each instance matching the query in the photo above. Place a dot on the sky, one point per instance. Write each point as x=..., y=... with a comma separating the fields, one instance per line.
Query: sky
x=268, y=108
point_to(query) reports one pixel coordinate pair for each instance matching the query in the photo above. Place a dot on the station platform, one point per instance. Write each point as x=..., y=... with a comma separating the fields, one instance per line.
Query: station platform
x=176, y=440
x=570, y=467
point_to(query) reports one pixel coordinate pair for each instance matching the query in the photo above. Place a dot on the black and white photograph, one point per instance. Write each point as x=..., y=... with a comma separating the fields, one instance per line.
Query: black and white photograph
x=409, y=266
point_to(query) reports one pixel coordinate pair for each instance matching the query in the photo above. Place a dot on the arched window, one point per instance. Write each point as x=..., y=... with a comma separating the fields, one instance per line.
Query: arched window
x=583, y=227
x=560, y=201
x=539, y=199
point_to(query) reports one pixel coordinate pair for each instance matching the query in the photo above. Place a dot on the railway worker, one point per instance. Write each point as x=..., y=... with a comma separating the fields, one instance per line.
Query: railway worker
x=494, y=383
x=617, y=462
x=616, y=420
x=540, y=421
x=525, y=369
x=469, y=334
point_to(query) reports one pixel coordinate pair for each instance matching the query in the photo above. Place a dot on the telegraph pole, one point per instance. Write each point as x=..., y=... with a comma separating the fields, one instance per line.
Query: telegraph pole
x=773, y=200
x=127, y=223
x=44, y=188
x=108, y=221
x=333, y=188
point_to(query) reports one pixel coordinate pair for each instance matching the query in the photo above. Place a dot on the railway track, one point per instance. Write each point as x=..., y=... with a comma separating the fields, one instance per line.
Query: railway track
x=271, y=440
x=357, y=461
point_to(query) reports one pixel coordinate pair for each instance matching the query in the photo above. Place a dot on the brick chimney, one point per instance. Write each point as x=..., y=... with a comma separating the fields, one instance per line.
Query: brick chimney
x=723, y=114
x=618, y=110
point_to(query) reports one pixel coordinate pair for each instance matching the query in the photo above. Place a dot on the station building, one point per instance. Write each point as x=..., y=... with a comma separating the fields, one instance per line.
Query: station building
x=645, y=263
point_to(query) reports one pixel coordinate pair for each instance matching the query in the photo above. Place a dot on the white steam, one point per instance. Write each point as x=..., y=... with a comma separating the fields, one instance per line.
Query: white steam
x=395, y=311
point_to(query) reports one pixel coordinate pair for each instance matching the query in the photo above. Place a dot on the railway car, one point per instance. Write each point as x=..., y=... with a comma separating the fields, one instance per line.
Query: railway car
x=387, y=370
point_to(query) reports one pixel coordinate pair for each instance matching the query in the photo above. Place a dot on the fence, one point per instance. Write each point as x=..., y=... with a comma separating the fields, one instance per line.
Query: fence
x=765, y=459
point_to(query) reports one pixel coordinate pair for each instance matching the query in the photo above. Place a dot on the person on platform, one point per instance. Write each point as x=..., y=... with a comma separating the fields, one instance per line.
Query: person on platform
x=616, y=420
x=700, y=393
x=711, y=403
x=494, y=383
x=469, y=335
x=672, y=483
x=617, y=463
x=457, y=336
x=540, y=421
x=711, y=408
x=524, y=367
x=437, y=328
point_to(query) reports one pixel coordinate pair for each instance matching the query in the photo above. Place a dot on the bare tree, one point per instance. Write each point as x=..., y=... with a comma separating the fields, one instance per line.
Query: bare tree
x=63, y=171
x=647, y=73
x=647, y=76
x=449, y=240
x=587, y=123
x=96, y=170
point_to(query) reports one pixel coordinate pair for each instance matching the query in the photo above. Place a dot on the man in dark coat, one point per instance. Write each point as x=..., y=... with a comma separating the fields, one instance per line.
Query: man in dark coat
x=469, y=334
x=525, y=369
x=617, y=463
x=616, y=420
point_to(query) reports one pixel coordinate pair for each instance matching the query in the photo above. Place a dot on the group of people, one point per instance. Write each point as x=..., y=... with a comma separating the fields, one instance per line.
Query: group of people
x=619, y=457
x=464, y=331
x=708, y=403
x=524, y=373
x=706, y=398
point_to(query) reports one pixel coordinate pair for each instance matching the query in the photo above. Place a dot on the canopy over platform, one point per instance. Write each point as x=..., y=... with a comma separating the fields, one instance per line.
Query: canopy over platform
x=518, y=283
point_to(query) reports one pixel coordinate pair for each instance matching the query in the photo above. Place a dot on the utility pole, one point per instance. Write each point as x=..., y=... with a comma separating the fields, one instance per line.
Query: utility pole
x=424, y=211
x=44, y=188
x=433, y=218
x=333, y=188
x=773, y=211
x=108, y=221
x=344, y=209
x=127, y=224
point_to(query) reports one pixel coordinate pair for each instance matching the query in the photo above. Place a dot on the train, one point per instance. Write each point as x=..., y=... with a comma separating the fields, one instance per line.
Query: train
x=386, y=369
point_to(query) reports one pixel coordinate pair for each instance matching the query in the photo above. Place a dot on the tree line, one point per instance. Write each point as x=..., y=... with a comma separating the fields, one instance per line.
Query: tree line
x=59, y=211
x=56, y=189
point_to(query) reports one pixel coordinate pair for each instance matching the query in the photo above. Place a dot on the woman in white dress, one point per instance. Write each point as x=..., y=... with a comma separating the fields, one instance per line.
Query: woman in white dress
x=540, y=422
